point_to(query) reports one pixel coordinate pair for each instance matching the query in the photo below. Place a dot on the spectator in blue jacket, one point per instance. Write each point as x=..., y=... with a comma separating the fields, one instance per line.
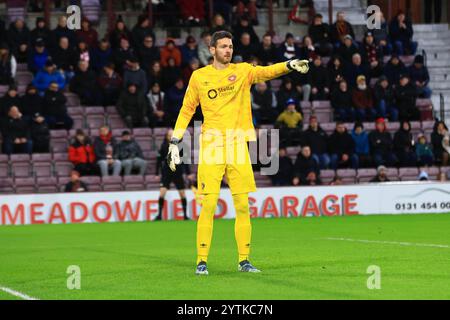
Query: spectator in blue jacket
x=48, y=75
x=401, y=33
x=361, y=139
x=38, y=56
x=420, y=77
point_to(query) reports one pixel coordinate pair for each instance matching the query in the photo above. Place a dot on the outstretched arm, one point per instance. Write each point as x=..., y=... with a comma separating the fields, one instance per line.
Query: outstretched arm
x=190, y=103
x=262, y=74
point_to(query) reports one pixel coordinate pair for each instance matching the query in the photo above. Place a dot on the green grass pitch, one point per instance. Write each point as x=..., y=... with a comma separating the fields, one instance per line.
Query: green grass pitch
x=156, y=260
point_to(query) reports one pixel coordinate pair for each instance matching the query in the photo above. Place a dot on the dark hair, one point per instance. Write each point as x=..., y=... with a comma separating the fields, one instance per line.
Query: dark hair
x=220, y=35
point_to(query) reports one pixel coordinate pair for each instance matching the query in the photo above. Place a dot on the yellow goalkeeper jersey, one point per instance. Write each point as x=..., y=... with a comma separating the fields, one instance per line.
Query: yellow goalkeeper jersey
x=224, y=96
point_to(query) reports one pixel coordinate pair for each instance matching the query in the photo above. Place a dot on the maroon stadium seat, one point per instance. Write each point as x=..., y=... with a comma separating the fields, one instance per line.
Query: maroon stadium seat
x=24, y=77
x=146, y=143
x=142, y=132
x=42, y=169
x=327, y=176
x=47, y=185
x=112, y=110
x=19, y=158
x=58, y=134
x=428, y=125
x=112, y=183
x=72, y=100
x=134, y=183
x=94, y=183
x=365, y=175
x=24, y=185
x=152, y=181
x=75, y=110
x=62, y=181
x=94, y=110
x=6, y=185
x=21, y=169
x=160, y=131
x=78, y=121
x=408, y=174
x=305, y=105
x=321, y=104
x=95, y=121
x=41, y=157
x=59, y=146
x=4, y=170
x=61, y=156
x=116, y=121
x=116, y=133
x=63, y=168
x=392, y=126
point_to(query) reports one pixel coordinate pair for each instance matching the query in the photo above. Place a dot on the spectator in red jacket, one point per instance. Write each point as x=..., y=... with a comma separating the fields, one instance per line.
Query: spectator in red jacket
x=81, y=154
x=192, y=11
x=170, y=51
x=87, y=34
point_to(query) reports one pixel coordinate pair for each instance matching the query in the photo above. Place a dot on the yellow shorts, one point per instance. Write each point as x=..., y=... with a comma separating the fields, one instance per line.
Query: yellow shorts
x=233, y=161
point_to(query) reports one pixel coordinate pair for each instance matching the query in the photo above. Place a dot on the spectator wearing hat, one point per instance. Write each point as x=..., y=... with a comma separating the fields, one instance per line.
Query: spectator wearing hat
x=110, y=85
x=438, y=136
x=65, y=58
x=340, y=29
x=16, y=133
x=405, y=99
x=134, y=74
x=381, y=175
x=342, y=148
x=189, y=51
x=381, y=145
x=148, y=53
x=31, y=103
x=401, y=32
x=8, y=65
x=75, y=184
x=81, y=154
x=361, y=140
x=348, y=49
x=38, y=56
x=87, y=34
x=317, y=139
x=372, y=55
x=385, y=99
x=321, y=36
x=393, y=69
x=130, y=154
x=40, y=134
x=355, y=69
x=11, y=98
x=267, y=51
x=342, y=103
x=55, y=109
x=319, y=80
x=133, y=107
x=420, y=77
x=41, y=31
x=84, y=84
x=101, y=55
x=264, y=104
x=306, y=169
x=18, y=37
x=290, y=123
x=48, y=75
x=424, y=151
x=284, y=175
x=105, y=153
x=170, y=50
x=404, y=145
x=363, y=101
x=203, y=48
x=288, y=49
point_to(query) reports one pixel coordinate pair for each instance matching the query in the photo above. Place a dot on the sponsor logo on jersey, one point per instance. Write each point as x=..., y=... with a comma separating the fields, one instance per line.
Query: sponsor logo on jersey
x=212, y=94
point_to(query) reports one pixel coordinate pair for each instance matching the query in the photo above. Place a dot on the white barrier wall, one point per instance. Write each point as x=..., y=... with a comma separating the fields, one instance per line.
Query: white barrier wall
x=395, y=198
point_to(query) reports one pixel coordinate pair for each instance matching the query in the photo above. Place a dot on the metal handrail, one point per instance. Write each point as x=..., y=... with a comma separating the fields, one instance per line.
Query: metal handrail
x=442, y=106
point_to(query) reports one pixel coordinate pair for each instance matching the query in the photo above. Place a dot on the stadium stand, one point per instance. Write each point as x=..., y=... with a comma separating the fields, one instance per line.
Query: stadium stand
x=49, y=172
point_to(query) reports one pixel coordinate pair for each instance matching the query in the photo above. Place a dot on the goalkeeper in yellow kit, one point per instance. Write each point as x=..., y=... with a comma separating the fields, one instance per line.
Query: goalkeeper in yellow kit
x=223, y=92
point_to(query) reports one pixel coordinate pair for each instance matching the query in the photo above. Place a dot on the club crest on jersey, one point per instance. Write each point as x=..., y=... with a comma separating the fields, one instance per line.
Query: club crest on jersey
x=232, y=78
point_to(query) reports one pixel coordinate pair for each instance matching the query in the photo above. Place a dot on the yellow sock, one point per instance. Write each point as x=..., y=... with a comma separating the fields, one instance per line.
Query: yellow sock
x=205, y=226
x=242, y=226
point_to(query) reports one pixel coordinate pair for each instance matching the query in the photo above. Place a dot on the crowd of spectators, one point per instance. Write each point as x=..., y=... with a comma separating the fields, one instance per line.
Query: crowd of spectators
x=147, y=84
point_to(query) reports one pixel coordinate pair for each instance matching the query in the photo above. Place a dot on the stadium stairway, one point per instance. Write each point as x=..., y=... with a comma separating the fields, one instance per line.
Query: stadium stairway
x=435, y=40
